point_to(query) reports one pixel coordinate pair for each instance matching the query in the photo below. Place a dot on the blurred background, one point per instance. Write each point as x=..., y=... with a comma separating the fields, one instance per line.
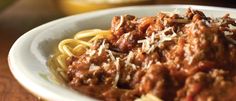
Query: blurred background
x=19, y=16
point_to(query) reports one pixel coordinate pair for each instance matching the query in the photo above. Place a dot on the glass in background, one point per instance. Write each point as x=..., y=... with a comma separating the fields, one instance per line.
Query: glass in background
x=70, y=7
x=5, y=3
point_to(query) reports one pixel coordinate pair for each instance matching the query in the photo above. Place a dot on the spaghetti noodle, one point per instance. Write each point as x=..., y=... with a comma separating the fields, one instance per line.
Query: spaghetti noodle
x=75, y=47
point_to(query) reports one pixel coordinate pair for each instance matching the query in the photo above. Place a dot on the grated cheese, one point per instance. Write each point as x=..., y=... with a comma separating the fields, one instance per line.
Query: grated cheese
x=148, y=97
x=127, y=61
x=102, y=46
x=206, y=22
x=128, y=77
x=127, y=35
x=148, y=44
x=90, y=52
x=120, y=23
x=164, y=37
x=93, y=67
x=152, y=38
x=190, y=60
x=129, y=57
x=111, y=55
x=117, y=64
x=165, y=22
x=147, y=64
x=228, y=33
x=106, y=65
x=151, y=49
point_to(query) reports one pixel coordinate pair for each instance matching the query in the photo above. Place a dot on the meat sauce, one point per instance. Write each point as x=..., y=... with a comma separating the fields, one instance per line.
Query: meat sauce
x=174, y=57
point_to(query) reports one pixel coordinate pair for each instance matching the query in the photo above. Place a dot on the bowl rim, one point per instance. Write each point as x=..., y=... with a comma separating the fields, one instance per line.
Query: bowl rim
x=23, y=78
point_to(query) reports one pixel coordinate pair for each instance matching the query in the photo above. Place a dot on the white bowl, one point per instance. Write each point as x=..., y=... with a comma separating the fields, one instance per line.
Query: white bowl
x=29, y=54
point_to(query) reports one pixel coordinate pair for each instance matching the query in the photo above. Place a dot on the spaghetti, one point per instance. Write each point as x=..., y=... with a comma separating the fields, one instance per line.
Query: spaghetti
x=75, y=47
x=168, y=57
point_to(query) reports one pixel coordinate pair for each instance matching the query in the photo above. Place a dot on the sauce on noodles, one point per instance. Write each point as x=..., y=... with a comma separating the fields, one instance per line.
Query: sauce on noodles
x=163, y=57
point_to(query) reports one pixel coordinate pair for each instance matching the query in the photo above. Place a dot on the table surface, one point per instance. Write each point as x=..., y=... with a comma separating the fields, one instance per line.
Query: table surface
x=24, y=15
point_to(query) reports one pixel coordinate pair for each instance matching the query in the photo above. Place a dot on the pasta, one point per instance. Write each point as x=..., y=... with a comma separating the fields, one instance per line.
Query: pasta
x=75, y=47
x=168, y=57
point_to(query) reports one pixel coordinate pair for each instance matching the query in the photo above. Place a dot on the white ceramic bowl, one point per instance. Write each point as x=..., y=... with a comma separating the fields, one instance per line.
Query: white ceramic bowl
x=29, y=54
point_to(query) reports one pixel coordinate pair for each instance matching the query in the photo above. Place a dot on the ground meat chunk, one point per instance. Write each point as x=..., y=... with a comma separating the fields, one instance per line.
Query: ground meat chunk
x=157, y=81
x=206, y=87
x=195, y=14
x=123, y=24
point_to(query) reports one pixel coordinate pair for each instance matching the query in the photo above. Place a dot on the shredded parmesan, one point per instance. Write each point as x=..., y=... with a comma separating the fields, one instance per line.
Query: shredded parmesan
x=164, y=37
x=128, y=77
x=206, y=22
x=151, y=49
x=148, y=97
x=120, y=23
x=106, y=65
x=93, y=67
x=127, y=35
x=102, y=46
x=190, y=60
x=111, y=55
x=152, y=38
x=90, y=52
x=228, y=33
x=147, y=64
x=117, y=64
x=165, y=22
x=148, y=44
x=129, y=57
